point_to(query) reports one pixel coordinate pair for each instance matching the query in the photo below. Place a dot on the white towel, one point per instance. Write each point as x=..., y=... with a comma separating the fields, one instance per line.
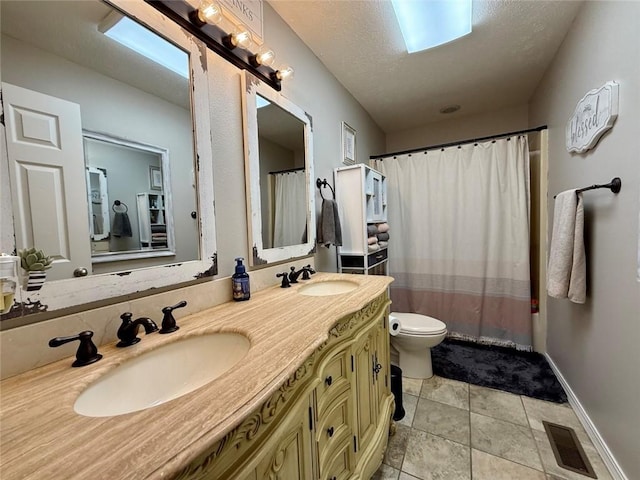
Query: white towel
x=566, y=271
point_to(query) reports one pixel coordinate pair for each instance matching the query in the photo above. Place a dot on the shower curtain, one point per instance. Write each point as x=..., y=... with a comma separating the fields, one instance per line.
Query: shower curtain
x=461, y=248
x=290, y=217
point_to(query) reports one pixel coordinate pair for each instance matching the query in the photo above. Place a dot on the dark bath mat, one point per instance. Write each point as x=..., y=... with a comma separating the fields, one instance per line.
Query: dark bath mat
x=502, y=368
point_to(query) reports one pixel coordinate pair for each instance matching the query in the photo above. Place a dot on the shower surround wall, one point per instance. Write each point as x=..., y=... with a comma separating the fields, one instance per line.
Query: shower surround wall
x=595, y=345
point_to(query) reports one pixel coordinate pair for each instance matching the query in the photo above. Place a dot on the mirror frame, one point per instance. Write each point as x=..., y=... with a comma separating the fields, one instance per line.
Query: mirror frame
x=59, y=294
x=258, y=255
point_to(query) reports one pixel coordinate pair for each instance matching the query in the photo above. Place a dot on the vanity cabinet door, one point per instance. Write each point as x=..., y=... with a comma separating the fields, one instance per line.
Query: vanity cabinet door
x=382, y=378
x=292, y=456
x=366, y=394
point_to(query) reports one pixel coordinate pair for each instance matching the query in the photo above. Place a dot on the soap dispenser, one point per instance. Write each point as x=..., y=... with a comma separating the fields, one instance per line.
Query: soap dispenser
x=240, y=281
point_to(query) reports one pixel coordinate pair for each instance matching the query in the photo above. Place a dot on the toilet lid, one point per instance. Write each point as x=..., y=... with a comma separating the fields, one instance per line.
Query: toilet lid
x=415, y=324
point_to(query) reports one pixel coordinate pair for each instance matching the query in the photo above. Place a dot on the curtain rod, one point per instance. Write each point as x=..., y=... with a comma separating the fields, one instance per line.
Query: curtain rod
x=287, y=171
x=461, y=142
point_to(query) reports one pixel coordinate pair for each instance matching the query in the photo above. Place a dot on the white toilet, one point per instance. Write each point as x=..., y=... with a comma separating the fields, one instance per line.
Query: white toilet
x=415, y=337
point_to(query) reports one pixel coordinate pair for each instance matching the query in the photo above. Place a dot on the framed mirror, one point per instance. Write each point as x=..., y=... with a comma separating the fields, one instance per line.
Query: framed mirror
x=117, y=194
x=137, y=178
x=279, y=171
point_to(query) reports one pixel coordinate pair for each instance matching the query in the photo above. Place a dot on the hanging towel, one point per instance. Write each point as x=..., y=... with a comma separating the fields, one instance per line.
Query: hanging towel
x=329, y=230
x=97, y=224
x=566, y=274
x=383, y=228
x=121, y=225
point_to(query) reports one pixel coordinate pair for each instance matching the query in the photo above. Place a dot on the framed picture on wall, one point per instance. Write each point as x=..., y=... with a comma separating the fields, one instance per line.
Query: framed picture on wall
x=348, y=144
x=155, y=178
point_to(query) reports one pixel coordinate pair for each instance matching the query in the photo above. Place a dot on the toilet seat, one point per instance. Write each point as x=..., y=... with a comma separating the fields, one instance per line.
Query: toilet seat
x=416, y=325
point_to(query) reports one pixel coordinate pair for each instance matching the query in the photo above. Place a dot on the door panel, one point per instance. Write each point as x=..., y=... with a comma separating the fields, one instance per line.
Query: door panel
x=47, y=174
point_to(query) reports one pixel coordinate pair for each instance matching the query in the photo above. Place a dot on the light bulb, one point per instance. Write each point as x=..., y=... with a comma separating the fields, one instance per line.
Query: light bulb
x=240, y=37
x=285, y=73
x=210, y=12
x=265, y=56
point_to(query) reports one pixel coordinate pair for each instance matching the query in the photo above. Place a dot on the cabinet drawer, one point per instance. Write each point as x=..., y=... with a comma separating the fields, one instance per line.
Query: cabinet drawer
x=358, y=261
x=334, y=378
x=376, y=257
x=339, y=464
x=334, y=427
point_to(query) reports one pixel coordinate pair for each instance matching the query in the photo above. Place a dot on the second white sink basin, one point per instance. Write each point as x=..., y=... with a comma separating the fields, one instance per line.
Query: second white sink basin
x=160, y=375
x=328, y=287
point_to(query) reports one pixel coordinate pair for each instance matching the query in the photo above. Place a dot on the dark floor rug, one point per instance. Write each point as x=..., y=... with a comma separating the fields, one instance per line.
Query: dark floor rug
x=502, y=368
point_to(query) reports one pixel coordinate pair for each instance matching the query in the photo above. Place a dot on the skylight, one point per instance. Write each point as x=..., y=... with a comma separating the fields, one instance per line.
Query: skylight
x=145, y=42
x=429, y=23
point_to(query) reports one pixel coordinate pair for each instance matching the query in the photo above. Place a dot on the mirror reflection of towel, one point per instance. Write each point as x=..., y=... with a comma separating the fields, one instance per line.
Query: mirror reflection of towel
x=121, y=225
x=97, y=224
x=329, y=230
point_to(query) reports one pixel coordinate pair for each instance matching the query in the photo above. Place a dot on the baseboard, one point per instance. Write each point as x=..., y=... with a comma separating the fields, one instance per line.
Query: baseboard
x=597, y=440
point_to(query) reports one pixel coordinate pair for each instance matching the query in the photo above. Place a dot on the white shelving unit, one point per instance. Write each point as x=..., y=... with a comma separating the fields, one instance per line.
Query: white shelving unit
x=152, y=220
x=361, y=194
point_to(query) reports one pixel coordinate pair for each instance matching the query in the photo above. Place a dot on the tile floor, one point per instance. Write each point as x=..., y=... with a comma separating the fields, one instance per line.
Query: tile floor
x=456, y=431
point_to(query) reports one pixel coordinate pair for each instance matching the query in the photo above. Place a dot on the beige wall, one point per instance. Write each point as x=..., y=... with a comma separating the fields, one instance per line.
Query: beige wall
x=459, y=127
x=595, y=345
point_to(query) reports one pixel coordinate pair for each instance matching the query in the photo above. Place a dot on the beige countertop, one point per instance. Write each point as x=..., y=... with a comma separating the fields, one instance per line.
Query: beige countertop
x=41, y=436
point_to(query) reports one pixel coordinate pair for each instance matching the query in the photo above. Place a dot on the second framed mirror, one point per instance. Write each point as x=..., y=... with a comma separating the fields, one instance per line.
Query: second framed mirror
x=279, y=172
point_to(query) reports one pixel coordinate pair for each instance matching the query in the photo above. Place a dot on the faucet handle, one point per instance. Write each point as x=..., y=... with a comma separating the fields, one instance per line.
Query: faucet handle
x=168, y=322
x=87, y=352
x=307, y=271
x=285, y=279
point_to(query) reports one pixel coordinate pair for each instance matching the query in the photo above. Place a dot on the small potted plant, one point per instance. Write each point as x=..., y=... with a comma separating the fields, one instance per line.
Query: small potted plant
x=35, y=262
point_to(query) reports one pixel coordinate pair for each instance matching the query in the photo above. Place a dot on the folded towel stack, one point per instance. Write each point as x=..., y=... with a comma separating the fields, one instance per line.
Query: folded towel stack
x=377, y=236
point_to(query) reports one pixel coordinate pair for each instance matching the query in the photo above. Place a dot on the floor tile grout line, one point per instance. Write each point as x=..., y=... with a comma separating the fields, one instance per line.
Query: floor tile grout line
x=544, y=468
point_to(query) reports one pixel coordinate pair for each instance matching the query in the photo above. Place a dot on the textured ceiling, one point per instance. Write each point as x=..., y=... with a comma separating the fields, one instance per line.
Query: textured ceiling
x=498, y=65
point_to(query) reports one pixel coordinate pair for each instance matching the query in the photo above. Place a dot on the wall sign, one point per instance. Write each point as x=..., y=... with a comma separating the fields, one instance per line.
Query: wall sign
x=594, y=115
x=247, y=12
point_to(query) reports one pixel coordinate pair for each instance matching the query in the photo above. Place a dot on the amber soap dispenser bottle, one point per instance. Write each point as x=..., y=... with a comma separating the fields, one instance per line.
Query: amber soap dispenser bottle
x=240, y=281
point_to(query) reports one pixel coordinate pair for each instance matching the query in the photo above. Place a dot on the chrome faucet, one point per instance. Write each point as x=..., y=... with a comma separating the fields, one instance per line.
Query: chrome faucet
x=306, y=271
x=128, y=331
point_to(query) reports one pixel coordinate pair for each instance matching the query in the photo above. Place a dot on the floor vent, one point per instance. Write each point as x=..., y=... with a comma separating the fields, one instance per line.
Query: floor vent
x=567, y=449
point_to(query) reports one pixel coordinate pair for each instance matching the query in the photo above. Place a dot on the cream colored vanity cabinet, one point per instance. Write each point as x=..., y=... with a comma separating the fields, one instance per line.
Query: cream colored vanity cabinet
x=328, y=421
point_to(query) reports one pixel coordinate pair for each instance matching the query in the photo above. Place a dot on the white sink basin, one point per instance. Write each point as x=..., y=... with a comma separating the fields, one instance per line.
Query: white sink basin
x=328, y=287
x=162, y=374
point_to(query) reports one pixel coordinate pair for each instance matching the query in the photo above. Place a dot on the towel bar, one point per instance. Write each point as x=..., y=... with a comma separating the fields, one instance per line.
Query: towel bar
x=614, y=185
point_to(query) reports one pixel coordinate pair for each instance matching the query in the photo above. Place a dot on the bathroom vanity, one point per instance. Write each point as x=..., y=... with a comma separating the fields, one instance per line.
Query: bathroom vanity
x=310, y=399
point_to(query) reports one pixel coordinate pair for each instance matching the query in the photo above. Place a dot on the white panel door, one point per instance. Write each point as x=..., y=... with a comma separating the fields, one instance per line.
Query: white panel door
x=46, y=167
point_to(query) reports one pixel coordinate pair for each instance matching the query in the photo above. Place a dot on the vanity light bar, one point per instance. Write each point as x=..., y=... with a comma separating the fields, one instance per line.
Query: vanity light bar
x=217, y=40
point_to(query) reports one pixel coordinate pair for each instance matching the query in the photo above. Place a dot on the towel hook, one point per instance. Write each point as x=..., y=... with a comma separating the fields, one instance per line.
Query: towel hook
x=324, y=183
x=118, y=203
